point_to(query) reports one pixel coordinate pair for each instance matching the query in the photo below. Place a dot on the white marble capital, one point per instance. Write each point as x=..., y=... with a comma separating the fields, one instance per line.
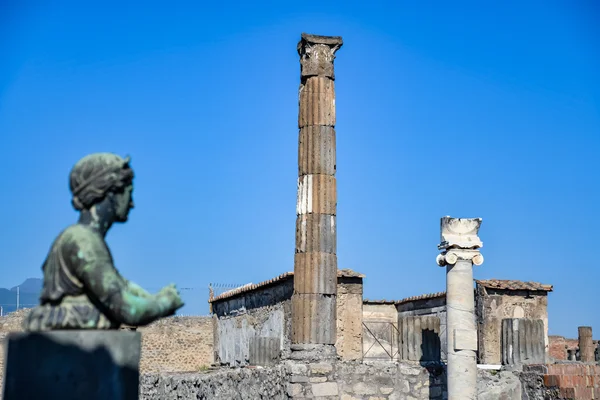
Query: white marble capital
x=452, y=256
x=460, y=233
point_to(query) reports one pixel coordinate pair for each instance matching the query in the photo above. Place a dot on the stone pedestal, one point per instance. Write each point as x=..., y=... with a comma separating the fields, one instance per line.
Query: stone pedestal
x=460, y=251
x=72, y=365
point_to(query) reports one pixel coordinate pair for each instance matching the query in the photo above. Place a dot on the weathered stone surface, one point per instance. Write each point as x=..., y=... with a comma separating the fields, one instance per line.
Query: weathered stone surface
x=316, y=194
x=492, y=385
x=316, y=233
x=523, y=341
x=316, y=150
x=345, y=380
x=317, y=54
x=586, y=345
x=72, y=365
x=315, y=272
x=349, y=319
x=314, y=300
x=325, y=389
x=419, y=338
x=459, y=245
x=236, y=384
x=317, y=317
x=317, y=103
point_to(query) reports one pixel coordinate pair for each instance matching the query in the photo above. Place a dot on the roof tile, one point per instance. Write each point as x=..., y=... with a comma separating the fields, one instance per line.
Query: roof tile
x=514, y=285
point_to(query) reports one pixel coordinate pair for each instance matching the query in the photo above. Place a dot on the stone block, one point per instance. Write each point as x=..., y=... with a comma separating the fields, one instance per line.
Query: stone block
x=315, y=273
x=320, y=327
x=321, y=368
x=465, y=339
x=316, y=150
x=317, y=103
x=72, y=365
x=317, y=194
x=316, y=233
x=325, y=389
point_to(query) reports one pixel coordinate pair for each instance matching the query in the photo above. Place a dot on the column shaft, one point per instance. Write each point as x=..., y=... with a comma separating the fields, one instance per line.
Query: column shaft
x=460, y=311
x=315, y=263
x=586, y=344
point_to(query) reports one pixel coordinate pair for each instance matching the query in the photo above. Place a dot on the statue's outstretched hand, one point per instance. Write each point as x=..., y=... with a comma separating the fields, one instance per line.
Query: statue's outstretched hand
x=171, y=298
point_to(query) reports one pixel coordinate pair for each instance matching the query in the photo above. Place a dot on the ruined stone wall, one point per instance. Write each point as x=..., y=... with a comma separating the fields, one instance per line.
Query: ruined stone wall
x=174, y=344
x=558, y=346
x=9, y=323
x=380, y=336
x=430, y=306
x=231, y=384
x=349, y=318
x=265, y=312
x=494, y=306
x=327, y=381
x=177, y=344
x=573, y=381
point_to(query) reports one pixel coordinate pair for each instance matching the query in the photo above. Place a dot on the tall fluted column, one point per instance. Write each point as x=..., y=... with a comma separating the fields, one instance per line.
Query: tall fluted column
x=459, y=246
x=315, y=261
x=586, y=344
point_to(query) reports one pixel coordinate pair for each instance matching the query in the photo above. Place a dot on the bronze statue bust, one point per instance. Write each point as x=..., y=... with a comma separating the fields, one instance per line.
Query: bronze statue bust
x=82, y=288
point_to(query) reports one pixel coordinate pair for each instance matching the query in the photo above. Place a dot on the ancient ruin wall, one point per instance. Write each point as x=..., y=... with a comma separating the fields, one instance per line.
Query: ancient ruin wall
x=498, y=305
x=325, y=380
x=380, y=338
x=265, y=312
x=349, y=324
x=175, y=344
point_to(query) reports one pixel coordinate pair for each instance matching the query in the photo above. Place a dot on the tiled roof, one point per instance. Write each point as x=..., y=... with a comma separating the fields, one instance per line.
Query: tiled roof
x=348, y=273
x=422, y=297
x=514, y=285
x=408, y=299
x=368, y=301
x=342, y=273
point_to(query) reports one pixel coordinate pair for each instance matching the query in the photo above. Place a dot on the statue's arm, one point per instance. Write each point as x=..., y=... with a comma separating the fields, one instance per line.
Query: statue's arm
x=137, y=290
x=120, y=299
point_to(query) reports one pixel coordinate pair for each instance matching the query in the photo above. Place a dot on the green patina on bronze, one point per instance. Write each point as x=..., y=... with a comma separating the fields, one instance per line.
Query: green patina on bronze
x=82, y=288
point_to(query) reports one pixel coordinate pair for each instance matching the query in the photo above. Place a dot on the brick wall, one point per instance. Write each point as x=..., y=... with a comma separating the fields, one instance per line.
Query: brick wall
x=558, y=346
x=567, y=381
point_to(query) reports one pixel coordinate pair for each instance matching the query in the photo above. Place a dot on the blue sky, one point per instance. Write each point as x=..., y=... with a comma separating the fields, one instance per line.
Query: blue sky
x=443, y=108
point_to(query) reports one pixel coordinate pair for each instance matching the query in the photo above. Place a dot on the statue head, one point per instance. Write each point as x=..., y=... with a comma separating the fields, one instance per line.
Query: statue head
x=101, y=176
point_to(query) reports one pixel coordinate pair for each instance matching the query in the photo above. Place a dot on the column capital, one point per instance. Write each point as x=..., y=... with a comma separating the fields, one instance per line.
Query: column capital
x=317, y=54
x=452, y=256
x=459, y=241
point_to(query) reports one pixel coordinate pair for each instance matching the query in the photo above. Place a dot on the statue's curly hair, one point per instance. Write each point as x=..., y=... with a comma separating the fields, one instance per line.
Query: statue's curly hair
x=95, y=175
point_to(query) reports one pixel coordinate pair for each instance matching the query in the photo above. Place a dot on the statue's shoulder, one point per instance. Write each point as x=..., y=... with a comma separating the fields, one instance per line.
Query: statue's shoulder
x=82, y=238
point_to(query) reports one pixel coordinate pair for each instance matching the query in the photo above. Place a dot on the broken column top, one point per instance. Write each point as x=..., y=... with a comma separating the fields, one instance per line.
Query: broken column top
x=317, y=54
x=460, y=233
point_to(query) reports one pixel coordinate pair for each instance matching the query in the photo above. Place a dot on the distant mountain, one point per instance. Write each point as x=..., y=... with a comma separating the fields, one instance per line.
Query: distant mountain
x=31, y=285
x=29, y=295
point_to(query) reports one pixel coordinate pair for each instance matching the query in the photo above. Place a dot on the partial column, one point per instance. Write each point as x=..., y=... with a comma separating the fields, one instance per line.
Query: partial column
x=459, y=245
x=586, y=344
x=315, y=261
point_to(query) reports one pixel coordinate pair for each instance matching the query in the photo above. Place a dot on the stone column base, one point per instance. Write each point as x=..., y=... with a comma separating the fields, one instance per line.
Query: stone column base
x=72, y=365
x=313, y=352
